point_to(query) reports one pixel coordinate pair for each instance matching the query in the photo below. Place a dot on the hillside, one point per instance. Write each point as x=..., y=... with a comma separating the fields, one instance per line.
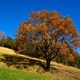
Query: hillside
x=4, y=50
x=57, y=72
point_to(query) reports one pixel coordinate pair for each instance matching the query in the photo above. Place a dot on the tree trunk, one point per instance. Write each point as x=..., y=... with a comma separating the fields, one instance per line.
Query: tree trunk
x=48, y=64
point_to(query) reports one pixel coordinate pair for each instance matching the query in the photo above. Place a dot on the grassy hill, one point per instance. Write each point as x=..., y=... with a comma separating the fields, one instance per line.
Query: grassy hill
x=35, y=72
x=13, y=74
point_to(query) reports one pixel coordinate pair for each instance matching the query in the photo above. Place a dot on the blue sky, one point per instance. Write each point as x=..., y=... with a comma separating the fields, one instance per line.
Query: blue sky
x=13, y=12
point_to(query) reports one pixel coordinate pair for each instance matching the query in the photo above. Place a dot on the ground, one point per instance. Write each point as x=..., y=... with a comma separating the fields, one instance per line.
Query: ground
x=35, y=72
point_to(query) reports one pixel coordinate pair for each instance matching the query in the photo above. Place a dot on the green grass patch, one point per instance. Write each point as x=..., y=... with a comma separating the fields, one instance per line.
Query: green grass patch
x=8, y=74
x=13, y=74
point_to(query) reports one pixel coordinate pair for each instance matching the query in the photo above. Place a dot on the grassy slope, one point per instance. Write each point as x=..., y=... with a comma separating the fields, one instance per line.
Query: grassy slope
x=10, y=74
x=61, y=72
x=4, y=50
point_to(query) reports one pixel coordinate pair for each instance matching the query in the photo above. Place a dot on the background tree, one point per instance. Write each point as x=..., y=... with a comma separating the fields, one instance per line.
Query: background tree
x=2, y=38
x=6, y=41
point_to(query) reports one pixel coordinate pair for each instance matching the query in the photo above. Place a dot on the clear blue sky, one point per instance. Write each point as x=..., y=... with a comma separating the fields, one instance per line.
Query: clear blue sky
x=13, y=12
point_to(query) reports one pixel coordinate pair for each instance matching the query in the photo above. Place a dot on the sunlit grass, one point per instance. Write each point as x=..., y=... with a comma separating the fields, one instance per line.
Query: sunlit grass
x=13, y=74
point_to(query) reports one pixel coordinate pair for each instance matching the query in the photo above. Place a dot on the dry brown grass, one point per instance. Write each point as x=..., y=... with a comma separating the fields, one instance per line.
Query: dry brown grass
x=4, y=50
x=3, y=65
x=66, y=71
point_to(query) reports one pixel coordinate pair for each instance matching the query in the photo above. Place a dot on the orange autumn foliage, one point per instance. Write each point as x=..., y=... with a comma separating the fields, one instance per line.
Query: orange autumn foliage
x=51, y=34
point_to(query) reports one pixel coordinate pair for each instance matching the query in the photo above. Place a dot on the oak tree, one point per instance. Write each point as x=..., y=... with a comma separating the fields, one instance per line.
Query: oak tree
x=51, y=34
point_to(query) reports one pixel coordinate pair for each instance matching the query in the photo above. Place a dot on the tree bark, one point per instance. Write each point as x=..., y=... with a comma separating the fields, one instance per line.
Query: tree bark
x=48, y=64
